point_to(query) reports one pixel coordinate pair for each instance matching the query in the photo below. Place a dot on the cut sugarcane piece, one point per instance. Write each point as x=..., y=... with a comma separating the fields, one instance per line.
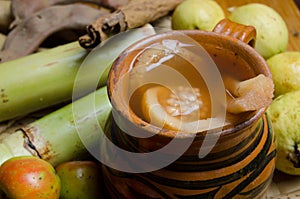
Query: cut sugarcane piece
x=249, y=95
x=178, y=110
x=12, y=145
x=47, y=78
x=57, y=137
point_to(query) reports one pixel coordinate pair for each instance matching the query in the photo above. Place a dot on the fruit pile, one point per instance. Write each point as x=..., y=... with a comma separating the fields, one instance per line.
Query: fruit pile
x=272, y=32
x=25, y=177
x=284, y=111
x=271, y=42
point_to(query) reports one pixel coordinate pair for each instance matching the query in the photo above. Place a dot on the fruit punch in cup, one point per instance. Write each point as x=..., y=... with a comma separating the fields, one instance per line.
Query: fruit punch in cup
x=175, y=84
x=189, y=117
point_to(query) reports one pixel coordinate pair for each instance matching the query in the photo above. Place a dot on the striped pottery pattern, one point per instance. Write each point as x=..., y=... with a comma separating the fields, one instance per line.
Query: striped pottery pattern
x=240, y=166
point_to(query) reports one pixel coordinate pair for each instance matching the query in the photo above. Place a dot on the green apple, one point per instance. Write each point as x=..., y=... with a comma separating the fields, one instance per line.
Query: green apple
x=284, y=114
x=27, y=177
x=80, y=179
x=285, y=68
x=272, y=32
x=197, y=14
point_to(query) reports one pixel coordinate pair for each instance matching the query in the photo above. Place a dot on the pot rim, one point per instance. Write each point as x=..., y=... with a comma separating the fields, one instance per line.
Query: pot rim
x=140, y=123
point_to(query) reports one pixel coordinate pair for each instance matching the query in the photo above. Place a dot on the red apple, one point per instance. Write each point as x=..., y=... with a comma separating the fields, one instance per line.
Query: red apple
x=80, y=179
x=27, y=177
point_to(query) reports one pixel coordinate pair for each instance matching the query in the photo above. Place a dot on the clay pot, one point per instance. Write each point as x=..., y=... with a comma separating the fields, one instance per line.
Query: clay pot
x=242, y=161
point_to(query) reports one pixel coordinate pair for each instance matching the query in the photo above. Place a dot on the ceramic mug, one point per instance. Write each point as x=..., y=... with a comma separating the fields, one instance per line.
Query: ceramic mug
x=240, y=163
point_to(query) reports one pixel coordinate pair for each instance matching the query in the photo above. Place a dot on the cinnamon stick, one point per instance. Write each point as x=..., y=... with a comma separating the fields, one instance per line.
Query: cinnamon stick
x=135, y=14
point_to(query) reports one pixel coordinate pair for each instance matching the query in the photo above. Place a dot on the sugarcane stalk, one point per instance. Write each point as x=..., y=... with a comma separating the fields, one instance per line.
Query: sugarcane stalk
x=38, y=80
x=56, y=137
x=12, y=145
x=46, y=78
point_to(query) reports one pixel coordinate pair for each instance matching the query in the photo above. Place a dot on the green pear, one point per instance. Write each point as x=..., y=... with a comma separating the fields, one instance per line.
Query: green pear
x=197, y=14
x=80, y=179
x=272, y=31
x=285, y=68
x=284, y=113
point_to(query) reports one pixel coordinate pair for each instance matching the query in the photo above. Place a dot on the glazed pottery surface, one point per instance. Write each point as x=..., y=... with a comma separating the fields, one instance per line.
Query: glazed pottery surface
x=242, y=161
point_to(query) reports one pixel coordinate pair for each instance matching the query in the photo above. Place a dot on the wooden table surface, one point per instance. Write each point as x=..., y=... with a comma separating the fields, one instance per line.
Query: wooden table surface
x=283, y=186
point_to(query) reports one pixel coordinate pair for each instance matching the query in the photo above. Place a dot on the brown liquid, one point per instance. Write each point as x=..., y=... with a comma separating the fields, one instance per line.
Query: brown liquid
x=228, y=64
